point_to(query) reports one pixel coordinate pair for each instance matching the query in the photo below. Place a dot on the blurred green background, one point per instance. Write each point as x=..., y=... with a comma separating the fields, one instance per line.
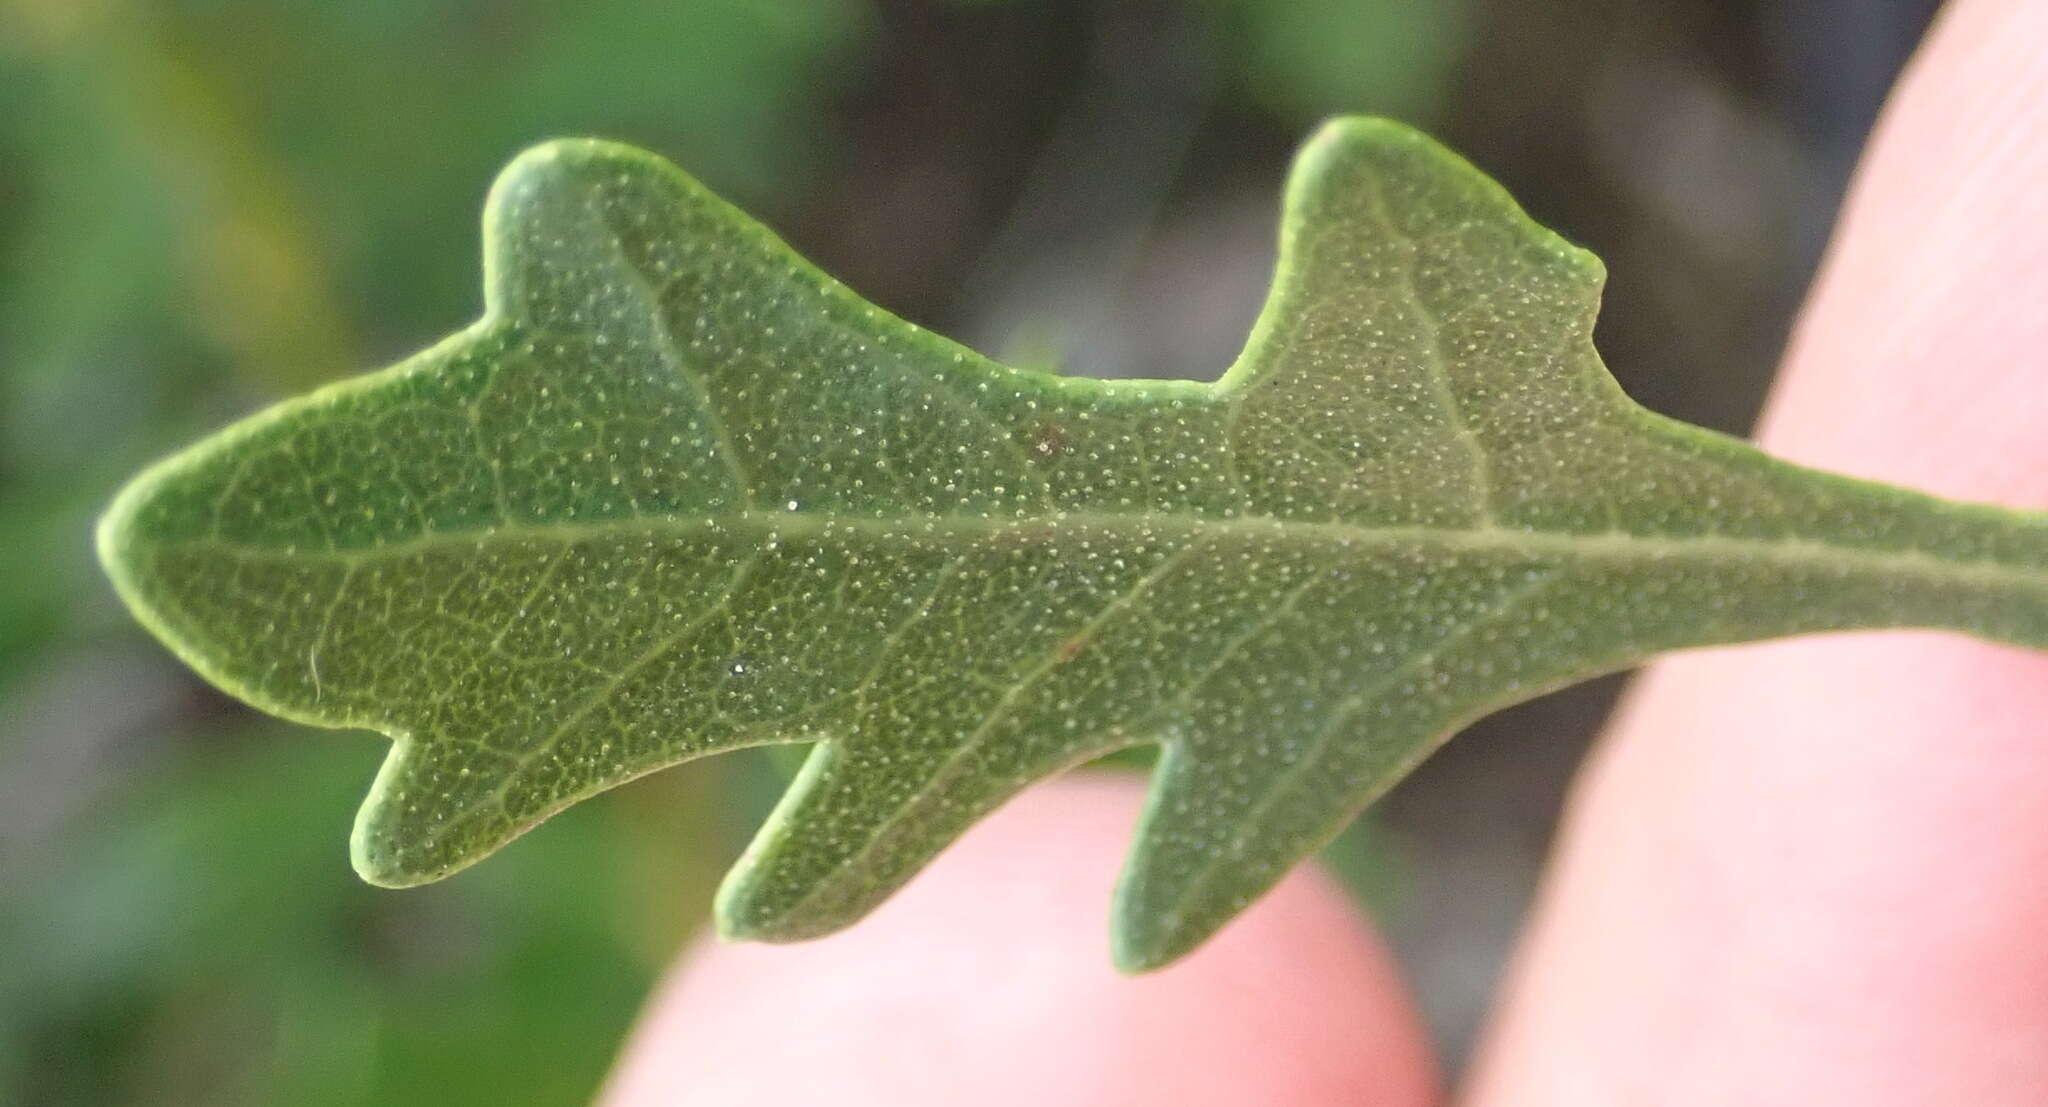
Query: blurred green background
x=207, y=204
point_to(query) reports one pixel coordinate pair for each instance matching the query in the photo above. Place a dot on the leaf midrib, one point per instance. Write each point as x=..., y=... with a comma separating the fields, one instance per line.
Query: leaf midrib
x=927, y=530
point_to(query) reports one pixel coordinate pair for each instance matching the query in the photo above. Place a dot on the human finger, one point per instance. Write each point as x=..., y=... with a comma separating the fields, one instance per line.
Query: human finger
x=1817, y=871
x=987, y=981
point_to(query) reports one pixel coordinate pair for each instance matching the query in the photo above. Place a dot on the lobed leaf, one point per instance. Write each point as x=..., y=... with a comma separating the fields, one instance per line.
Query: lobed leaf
x=678, y=492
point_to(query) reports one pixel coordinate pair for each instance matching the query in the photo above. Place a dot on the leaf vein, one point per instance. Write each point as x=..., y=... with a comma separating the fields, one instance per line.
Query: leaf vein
x=665, y=345
x=1296, y=772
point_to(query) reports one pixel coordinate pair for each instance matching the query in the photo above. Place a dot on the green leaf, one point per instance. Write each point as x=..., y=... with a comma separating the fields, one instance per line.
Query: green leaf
x=678, y=492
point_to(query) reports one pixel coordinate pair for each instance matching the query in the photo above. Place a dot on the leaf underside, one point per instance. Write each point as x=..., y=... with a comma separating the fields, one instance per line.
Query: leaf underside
x=678, y=492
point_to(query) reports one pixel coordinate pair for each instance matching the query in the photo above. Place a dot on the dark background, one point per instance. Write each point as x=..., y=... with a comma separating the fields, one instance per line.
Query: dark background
x=205, y=205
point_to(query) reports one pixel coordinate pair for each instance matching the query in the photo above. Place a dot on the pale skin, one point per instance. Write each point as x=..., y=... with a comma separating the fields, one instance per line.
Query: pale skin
x=1810, y=872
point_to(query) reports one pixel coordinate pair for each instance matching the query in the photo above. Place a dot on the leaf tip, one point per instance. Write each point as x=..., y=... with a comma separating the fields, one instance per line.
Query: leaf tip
x=405, y=835
x=1135, y=948
x=1354, y=128
x=374, y=871
x=736, y=914
x=377, y=855
x=753, y=907
x=1334, y=154
x=522, y=178
x=123, y=537
x=113, y=539
x=539, y=165
x=1142, y=937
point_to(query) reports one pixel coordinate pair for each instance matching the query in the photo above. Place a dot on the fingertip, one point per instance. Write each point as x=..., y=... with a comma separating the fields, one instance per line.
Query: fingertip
x=1810, y=871
x=988, y=980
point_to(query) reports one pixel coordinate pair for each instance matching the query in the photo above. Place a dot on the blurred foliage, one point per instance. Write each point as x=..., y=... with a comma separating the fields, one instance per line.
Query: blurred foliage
x=209, y=945
x=1303, y=57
